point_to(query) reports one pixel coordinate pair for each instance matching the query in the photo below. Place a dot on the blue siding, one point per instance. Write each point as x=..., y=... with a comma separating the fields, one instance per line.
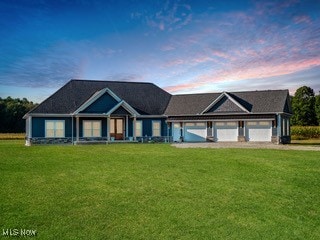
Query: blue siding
x=101, y=105
x=130, y=122
x=38, y=126
x=147, y=126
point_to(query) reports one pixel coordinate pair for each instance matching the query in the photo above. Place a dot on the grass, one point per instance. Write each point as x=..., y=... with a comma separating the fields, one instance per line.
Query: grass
x=155, y=191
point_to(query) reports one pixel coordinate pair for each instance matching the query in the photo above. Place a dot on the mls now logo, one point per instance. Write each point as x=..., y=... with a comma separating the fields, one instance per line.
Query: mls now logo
x=19, y=232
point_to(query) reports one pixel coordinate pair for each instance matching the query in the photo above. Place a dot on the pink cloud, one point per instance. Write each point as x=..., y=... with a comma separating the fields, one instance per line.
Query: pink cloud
x=302, y=19
x=238, y=74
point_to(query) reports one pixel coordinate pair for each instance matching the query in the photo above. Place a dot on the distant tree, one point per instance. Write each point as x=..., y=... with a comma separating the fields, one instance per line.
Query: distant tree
x=303, y=106
x=317, y=108
x=11, y=113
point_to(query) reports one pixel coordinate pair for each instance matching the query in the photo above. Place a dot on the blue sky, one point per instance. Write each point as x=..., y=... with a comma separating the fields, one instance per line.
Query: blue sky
x=182, y=46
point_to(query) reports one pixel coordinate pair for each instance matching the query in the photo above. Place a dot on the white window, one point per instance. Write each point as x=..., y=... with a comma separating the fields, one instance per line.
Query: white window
x=91, y=128
x=54, y=128
x=231, y=124
x=201, y=124
x=190, y=124
x=156, y=128
x=219, y=123
x=251, y=123
x=264, y=123
x=138, y=128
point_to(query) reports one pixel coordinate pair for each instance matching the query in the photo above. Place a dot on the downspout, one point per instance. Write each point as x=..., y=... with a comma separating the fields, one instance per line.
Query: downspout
x=72, y=130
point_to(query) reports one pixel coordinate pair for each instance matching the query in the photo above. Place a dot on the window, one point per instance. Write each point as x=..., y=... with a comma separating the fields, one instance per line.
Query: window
x=264, y=123
x=91, y=128
x=138, y=128
x=231, y=124
x=54, y=128
x=156, y=128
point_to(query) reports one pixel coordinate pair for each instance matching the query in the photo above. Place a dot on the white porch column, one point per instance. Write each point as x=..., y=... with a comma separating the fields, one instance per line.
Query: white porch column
x=108, y=128
x=77, y=129
x=28, y=131
x=134, y=127
x=72, y=142
x=30, y=127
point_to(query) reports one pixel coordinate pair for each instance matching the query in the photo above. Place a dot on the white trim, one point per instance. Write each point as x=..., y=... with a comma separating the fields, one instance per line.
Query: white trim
x=54, y=128
x=152, y=116
x=49, y=115
x=223, y=120
x=224, y=94
x=95, y=97
x=125, y=105
x=229, y=114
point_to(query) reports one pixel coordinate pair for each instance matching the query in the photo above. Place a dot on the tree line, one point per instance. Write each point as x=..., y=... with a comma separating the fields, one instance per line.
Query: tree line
x=305, y=107
x=11, y=113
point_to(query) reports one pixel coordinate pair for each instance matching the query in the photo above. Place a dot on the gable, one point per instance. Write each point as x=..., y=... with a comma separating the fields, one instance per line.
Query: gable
x=225, y=105
x=102, y=105
x=121, y=111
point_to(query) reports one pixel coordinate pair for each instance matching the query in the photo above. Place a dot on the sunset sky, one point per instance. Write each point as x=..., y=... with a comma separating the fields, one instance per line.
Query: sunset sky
x=182, y=46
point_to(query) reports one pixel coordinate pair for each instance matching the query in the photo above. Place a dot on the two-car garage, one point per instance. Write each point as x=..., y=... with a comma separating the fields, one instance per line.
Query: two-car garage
x=224, y=131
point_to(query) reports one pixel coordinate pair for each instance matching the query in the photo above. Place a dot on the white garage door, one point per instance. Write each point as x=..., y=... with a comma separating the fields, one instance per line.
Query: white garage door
x=195, y=132
x=258, y=131
x=226, y=131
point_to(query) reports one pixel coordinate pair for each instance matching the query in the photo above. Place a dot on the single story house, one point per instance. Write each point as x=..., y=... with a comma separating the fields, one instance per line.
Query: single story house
x=106, y=111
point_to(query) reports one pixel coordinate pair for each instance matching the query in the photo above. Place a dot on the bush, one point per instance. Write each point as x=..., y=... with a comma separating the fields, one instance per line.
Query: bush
x=305, y=132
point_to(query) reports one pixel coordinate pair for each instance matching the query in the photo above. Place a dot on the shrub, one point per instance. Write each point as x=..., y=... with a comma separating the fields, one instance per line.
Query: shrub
x=305, y=132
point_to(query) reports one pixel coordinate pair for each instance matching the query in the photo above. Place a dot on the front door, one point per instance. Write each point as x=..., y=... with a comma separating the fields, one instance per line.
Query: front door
x=116, y=128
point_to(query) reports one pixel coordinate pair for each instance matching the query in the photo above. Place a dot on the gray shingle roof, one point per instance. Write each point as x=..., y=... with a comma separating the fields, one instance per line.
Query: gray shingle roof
x=146, y=98
x=270, y=101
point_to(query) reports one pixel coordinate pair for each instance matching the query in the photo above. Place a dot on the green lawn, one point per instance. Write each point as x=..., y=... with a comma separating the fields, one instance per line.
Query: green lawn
x=155, y=191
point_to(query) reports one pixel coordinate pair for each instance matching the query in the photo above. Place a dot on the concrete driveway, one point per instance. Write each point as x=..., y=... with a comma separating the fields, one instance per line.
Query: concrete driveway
x=246, y=145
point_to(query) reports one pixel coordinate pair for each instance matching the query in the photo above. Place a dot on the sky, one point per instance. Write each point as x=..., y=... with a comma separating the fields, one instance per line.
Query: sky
x=183, y=46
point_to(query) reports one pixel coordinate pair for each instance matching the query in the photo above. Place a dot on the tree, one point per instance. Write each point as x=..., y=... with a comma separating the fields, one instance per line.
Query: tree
x=303, y=106
x=317, y=108
x=11, y=113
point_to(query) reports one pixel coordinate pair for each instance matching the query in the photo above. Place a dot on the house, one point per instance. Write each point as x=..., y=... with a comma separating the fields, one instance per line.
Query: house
x=106, y=111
